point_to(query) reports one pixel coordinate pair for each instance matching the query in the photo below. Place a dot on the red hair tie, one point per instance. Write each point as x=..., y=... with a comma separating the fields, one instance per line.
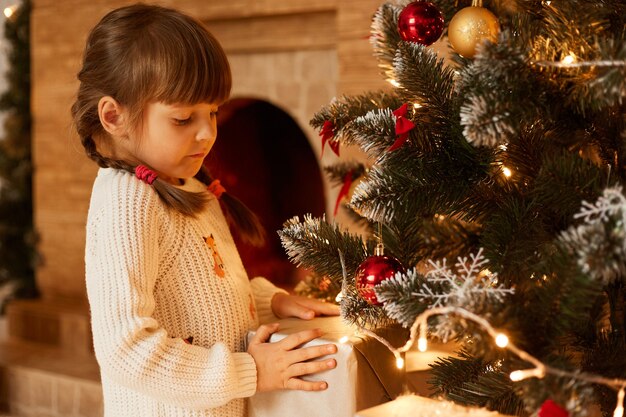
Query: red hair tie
x=145, y=174
x=216, y=188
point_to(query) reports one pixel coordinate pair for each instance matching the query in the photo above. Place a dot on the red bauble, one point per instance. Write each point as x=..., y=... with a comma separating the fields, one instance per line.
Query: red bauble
x=551, y=409
x=421, y=22
x=372, y=272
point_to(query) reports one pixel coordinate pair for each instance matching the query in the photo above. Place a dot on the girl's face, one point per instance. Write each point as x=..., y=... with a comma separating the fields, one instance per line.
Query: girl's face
x=176, y=138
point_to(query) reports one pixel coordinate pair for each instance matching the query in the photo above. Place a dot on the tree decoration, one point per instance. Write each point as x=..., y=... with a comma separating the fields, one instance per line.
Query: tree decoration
x=403, y=127
x=470, y=27
x=343, y=192
x=471, y=286
x=599, y=243
x=327, y=133
x=420, y=22
x=374, y=270
x=551, y=409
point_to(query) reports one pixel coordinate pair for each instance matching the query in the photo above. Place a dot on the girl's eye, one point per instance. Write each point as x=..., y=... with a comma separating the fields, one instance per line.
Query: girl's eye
x=182, y=122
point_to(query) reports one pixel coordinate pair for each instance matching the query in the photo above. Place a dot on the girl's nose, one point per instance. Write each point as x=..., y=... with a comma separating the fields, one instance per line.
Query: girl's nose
x=207, y=131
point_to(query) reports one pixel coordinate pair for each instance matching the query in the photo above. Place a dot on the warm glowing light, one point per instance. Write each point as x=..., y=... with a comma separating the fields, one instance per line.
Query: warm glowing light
x=507, y=172
x=422, y=344
x=527, y=373
x=571, y=58
x=9, y=11
x=393, y=82
x=417, y=106
x=339, y=297
x=344, y=339
x=502, y=340
x=619, y=409
x=548, y=2
x=400, y=363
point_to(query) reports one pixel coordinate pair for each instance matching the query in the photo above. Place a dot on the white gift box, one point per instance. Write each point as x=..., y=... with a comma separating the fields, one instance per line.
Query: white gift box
x=415, y=406
x=366, y=374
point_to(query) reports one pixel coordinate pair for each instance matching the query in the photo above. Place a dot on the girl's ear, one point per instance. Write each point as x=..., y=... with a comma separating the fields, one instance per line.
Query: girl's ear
x=112, y=116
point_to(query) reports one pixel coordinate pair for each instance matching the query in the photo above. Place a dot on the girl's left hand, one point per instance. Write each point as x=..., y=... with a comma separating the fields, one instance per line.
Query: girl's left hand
x=285, y=305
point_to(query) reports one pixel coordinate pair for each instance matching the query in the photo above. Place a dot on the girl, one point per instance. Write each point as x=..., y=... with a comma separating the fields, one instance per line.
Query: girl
x=171, y=303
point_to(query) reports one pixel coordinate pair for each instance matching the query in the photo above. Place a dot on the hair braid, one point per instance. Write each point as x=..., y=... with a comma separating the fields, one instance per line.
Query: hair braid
x=238, y=214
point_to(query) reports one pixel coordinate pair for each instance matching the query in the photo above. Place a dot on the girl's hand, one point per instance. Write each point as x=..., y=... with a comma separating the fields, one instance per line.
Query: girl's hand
x=285, y=305
x=279, y=365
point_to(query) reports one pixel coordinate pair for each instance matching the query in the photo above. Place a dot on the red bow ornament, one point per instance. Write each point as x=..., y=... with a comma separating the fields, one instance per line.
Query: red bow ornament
x=327, y=133
x=551, y=409
x=347, y=183
x=403, y=127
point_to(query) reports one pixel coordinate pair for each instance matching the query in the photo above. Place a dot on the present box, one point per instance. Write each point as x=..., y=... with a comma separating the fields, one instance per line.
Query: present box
x=416, y=406
x=366, y=374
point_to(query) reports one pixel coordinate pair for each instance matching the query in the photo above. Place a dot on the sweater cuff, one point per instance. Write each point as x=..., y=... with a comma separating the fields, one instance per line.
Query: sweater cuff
x=245, y=367
x=263, y=292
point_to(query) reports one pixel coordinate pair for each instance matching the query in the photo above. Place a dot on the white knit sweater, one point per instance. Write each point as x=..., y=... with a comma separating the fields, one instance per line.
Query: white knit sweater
x=151, y=284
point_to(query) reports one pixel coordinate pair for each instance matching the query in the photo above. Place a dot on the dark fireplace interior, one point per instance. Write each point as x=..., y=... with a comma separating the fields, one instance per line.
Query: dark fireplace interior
x=263, y=158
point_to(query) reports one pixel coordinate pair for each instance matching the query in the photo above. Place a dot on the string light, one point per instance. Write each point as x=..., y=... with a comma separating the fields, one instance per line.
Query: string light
x=507, y=172
x=619, y=409
x=569, y=59
x=393, y=82
x=527, y=373
x=502, y=340
x=400, y=363
x=9, y=11
x=422, y=344
x=339, y=297
x=417, y=106
x=344, y=339
x=539, y=371
x=571, y=62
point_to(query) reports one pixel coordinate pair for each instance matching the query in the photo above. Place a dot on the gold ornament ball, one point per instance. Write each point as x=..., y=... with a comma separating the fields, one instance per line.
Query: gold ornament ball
x=471, y=26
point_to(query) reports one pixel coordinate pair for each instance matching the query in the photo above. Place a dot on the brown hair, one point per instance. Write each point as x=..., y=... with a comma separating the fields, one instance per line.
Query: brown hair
x=144, y=53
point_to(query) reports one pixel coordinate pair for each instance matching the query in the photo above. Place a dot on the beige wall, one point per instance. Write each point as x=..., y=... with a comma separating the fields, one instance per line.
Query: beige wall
x=332, y=56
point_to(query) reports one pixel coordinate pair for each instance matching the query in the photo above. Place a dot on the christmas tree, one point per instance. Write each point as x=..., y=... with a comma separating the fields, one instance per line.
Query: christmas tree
x=494, y=187
x=17, y=238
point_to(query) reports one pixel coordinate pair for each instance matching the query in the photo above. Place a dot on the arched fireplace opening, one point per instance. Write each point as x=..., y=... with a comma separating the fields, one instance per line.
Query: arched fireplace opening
x=263, y=158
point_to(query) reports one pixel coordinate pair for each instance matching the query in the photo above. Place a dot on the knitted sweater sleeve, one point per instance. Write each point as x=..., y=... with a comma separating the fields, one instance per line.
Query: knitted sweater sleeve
x=264, y=291
x=131, y=347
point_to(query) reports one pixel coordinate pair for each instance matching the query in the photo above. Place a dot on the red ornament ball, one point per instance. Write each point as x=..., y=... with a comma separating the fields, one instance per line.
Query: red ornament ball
x=372, y=272
x=420, y=22
x=551, y=409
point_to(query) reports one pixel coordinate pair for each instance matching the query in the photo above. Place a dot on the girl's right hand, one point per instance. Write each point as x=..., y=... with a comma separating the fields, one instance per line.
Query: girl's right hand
x=280, y=364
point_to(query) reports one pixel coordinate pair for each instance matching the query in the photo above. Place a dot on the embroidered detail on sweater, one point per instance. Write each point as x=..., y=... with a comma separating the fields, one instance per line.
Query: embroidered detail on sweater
x=251, y=307
x=218, y=264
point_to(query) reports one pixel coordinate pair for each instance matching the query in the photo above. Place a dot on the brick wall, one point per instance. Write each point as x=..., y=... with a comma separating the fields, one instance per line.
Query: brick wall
x=327, y=55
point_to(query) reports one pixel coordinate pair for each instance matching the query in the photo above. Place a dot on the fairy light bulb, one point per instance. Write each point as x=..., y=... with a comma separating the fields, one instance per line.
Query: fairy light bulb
x=344, y=339
x=393, y=82
x=619, y=409
x=507, y=172
x=417, y=106
x=527, y=373
x=339, y=297
x=422, y=344
x=502, y=340
x=399, y=362
x=569, y=59
x=9, y=11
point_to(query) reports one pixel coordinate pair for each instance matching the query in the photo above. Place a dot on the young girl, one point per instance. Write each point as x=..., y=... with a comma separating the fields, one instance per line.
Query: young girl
x=170, y=301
